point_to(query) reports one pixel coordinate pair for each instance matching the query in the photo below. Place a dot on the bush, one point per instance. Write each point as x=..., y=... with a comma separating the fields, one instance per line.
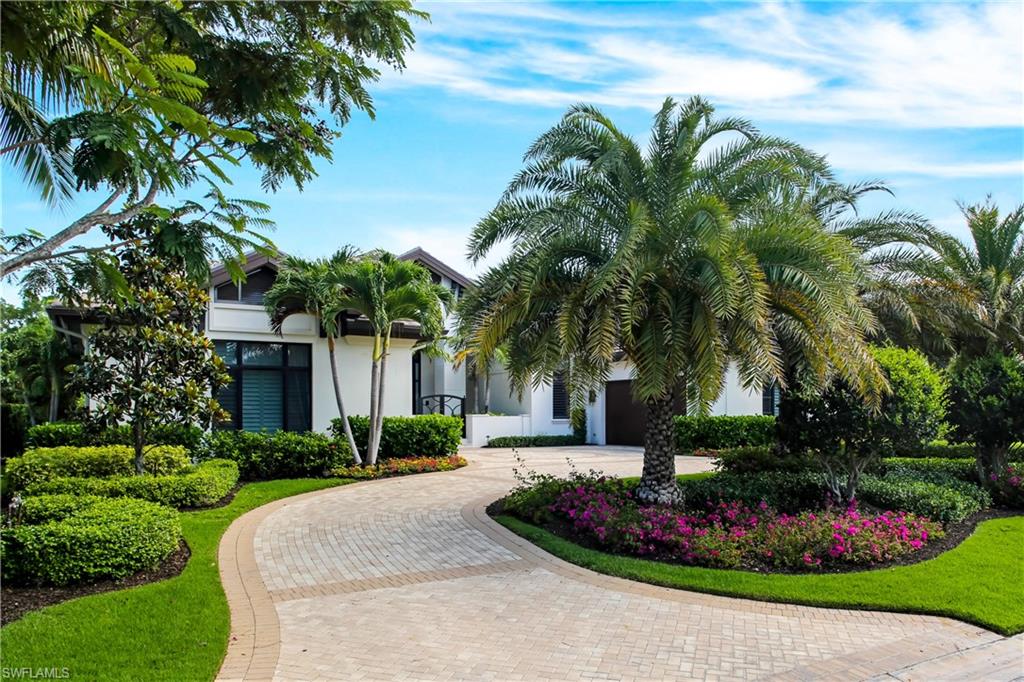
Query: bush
x=950, y=502
x=1008, y=487
x=533, y=441
x=280, y=454
x=788, y=492
x=57, y=434
x=987, y=407
x=425, y=435
x=204, y=485
x=66, y=539
x=14, y=427
x=715, y=433
x=930, y=469
x=44, y=464
x=401, y=467
x=760, y=459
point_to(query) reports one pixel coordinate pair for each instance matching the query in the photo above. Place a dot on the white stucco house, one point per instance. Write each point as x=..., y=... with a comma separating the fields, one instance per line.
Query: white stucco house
x=284, y=381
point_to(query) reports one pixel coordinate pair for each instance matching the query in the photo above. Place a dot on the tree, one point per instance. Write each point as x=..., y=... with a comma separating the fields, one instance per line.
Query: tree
x=149, y=362
x=311, y=288
x=32, y=361
x=680, y=259
x=386, y=290
x=987, y=408
x=141, y=100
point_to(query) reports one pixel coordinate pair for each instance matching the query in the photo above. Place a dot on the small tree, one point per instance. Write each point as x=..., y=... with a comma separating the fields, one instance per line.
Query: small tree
x=987, y=407
x=149, y=363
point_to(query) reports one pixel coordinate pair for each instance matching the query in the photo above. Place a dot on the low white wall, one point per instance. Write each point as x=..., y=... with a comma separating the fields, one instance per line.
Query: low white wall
x=482, y=427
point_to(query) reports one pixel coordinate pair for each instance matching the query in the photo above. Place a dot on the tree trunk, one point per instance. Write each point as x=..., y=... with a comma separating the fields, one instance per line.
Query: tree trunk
x=54, y=395
x=379, y=430
x=658, y=481
x=487, y=391
x=139, y=444
x=341, y=405
x=371, y=453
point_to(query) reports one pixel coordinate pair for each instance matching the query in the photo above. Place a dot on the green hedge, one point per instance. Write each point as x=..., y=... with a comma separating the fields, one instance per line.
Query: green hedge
x=425, y=435
x=280, y=454
x=204, y=485
x=756, y=459
x=533, y=441
x=715, y=433
x=57, y=434
x=64, y=539
x=787, y=492
x=44, y=464
x=948, y=502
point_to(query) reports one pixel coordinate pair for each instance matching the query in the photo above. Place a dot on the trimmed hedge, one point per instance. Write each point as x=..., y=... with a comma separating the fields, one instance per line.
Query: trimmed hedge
x=949, y=502
x=44, y=464
x=425, y=435
x=280, y=454
x=204, y=485
x=532, y=441
x=786, y=492
x=716, y=433
x=66, y=539
x=57, y=434
x=759, y=459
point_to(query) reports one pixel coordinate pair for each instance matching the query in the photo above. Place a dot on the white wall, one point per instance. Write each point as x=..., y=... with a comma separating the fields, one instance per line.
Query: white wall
x=503, y=398
x=481, y=427
x=540, y=414
x=735, y=399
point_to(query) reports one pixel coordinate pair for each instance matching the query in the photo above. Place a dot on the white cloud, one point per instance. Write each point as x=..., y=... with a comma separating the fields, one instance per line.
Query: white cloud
x=887, y=161
x=445, y=242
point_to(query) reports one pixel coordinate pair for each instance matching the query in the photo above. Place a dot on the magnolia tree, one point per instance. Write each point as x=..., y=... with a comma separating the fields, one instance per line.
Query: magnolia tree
x=149, y=363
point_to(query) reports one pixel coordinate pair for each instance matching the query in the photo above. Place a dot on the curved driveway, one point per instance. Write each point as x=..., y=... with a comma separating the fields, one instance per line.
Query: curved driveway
x=407, y=579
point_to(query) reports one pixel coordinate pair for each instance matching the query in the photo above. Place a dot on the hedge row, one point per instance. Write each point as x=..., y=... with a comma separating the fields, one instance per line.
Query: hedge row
x=44, y=464
x=947, y=502
x=204, y=485
x=715, y=433
x=56, y=434
x=532, y=441
x=278, y=454
x=425, y=435
x=64, y=539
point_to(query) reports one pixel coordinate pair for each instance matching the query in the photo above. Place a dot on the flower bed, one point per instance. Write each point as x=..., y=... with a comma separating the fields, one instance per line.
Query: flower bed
x=400, y=467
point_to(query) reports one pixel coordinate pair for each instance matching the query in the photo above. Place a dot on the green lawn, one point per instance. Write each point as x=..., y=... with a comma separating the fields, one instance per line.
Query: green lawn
x=980, y=581
x=176, y=629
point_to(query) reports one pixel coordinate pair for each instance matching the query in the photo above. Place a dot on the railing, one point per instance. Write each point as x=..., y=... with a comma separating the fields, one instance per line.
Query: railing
x=451, y=405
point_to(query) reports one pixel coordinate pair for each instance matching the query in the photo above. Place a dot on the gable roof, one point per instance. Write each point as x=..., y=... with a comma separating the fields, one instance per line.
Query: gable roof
x=253, y=261
x=431, y=262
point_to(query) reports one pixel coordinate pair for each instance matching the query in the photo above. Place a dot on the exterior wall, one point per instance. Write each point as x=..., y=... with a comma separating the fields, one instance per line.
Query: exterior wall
x=540, y=415
x=481, y=427
x=503, y=398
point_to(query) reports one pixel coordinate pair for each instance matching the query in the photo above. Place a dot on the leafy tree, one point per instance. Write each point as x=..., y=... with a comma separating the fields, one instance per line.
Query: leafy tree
x=141, y=100
x=149, y=362
x=680, y=259
x=311, y=288
x=32, y=361
x=386, y=290
x=987, y=408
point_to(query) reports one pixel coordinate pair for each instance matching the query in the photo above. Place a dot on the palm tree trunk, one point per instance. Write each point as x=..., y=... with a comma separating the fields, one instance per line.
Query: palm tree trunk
x=487, y=390
x=341, y=405
x=371, y=452
x=658, y=481
x=379, y=430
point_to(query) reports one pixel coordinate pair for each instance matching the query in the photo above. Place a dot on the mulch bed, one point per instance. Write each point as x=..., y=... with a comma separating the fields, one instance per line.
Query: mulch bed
x=15, y=602
x=954, y=535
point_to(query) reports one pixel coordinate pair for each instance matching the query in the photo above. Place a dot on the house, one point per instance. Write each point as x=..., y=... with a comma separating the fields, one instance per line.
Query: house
x=283, y=381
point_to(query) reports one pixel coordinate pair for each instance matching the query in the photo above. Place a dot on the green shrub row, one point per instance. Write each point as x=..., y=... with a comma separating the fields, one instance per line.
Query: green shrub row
x=948, y=502
x=44, y=464
x=715, y=433
x=786, y=492
x=67, y=539
x=204, y=485
x=278, y=454
x=760, y=458
x=57, y=434
x=533, y=441
x=425, y=435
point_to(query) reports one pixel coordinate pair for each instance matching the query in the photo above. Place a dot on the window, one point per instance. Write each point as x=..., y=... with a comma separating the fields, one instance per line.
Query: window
x=249, y=292
x=559, y=397
x=271, y=387
x=770, y=400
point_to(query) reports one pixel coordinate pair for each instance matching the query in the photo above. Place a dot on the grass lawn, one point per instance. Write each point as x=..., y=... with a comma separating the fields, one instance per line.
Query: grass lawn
x=176, y=629
x=980, y=581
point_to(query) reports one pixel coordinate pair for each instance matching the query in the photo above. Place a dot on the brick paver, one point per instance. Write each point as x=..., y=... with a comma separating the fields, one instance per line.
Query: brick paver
x=408, y=579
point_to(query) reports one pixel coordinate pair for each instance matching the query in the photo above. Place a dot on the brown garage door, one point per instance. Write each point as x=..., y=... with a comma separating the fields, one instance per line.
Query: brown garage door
x=624, y=418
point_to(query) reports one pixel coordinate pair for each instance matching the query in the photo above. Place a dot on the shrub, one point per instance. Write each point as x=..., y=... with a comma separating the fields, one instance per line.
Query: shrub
x=401, y=466
x=930, y=469
x=720, y=432
x=425, y=435
x=533, y=441
x=43, y=464
x=759, y=459
x=790, y=492
x=57, y=434
x=204, y=485
x=1008, y=486
x=949, y=502
x=67, y=539
x=280, y=454
x=987, y=408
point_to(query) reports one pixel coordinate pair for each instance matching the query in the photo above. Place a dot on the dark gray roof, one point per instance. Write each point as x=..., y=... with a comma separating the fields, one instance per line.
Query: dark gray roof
x=432, y=263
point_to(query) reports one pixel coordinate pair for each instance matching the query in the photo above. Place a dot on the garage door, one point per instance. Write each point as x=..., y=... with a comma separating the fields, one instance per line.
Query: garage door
x=624, y=418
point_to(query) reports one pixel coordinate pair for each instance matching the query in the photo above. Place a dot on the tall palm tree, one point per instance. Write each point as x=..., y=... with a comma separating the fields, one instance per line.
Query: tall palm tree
x=305, y=287
x=680, y=258
x=386, y=290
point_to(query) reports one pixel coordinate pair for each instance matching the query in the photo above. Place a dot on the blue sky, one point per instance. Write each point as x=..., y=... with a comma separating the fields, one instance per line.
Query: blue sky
x=929, y=97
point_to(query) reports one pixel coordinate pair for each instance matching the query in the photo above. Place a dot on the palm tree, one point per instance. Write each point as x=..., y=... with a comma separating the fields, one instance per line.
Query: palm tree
x=681, y=259
x=386, y=290
x=305, y=287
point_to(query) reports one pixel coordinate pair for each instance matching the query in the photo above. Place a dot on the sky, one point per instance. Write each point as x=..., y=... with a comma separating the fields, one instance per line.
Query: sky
x=928, y=97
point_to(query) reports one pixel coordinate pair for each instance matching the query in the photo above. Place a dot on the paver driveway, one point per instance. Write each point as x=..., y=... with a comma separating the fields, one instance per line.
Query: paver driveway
x=408, y=579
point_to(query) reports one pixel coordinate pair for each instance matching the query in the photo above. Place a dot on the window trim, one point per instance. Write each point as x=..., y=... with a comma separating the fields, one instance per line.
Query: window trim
x=237, y=372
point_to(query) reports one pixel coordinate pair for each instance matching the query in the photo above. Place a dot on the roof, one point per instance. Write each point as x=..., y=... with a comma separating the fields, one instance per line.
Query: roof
x=253, y=261
x=431, y=262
